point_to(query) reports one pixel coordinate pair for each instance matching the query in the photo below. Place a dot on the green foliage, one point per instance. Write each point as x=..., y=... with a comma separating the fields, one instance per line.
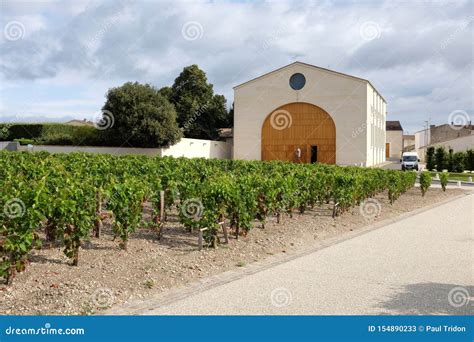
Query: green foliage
x=51, y=134
x=450, y=160
x=458, y=160
x=425, y=182
x=63, y=194
x=24, y=141
x=200, y=112
x=141, y=117
x=443, y=178
x=469, y=160
x=440, y=158
x=430, y=158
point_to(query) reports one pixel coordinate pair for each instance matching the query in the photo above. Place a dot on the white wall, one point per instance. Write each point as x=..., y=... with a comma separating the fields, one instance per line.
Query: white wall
x=422, y=138
x=343, y=97
x=458, y=145
x=189, y=148
x=197, y=148
x=376, y=135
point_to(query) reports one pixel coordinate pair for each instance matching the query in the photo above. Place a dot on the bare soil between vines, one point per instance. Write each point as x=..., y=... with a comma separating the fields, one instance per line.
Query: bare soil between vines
x=109, y=276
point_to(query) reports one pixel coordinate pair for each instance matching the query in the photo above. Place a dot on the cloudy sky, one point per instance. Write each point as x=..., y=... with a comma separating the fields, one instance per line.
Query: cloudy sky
x=58, y=58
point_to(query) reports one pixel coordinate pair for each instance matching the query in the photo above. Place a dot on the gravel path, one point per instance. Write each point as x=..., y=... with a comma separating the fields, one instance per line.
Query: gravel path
x=419, y=265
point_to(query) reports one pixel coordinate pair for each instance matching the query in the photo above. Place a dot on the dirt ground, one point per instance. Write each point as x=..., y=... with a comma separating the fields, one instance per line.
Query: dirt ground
x=109, y=276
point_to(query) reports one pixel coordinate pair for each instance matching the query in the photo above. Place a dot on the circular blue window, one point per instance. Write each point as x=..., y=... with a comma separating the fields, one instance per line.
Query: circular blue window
x=297, y=81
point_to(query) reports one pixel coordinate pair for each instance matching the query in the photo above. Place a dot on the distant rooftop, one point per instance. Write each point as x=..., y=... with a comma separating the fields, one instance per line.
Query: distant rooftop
x=393, y=126
x=83, y=122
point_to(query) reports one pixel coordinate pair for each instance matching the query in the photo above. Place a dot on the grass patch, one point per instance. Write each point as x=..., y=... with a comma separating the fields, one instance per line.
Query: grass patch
x=456, y=176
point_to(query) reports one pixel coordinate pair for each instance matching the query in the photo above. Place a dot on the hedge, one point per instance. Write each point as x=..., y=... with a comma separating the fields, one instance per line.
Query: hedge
x=52, y=134
x=438, y=159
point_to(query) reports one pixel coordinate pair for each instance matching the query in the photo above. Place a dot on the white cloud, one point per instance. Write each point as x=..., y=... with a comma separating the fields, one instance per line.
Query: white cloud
x=421, y=48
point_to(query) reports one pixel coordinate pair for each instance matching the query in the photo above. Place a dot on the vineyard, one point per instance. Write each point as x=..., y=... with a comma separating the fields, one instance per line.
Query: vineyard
x=62, y=199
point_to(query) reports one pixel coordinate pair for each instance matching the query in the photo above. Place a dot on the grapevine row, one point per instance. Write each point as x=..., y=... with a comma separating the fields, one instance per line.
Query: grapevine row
x=65, y=196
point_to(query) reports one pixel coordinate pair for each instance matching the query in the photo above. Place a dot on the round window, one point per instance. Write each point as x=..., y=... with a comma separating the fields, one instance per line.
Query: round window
x=297, y=81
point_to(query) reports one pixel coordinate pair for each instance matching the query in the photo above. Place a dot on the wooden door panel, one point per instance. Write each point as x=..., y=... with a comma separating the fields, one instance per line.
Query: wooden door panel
x=310, y=125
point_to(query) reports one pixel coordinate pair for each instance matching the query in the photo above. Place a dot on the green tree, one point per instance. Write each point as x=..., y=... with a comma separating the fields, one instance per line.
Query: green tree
x=138, y=115
x=430, y=159
x=469, y=161
x=200, y=112
x=458, y=161
x=440, y=158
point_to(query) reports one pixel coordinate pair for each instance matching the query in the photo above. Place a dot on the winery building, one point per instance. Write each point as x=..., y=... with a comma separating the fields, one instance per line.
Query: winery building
x=306, y=114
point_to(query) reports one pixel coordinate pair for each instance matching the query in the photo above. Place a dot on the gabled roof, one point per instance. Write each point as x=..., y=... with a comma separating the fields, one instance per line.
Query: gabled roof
x=311, y=66
x=393, y=126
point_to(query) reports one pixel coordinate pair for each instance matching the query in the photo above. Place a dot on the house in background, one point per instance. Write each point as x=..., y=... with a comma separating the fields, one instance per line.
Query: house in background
x=458, y=137
x=394, y=140
x=408, y=142
x=83, y=122
x=307, y=114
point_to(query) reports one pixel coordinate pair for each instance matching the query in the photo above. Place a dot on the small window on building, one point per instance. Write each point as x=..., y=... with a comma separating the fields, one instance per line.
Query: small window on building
x=297, y=81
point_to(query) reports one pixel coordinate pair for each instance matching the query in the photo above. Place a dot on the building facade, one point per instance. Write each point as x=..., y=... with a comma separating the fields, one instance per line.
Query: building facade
x=394, y=140
x=303, y=113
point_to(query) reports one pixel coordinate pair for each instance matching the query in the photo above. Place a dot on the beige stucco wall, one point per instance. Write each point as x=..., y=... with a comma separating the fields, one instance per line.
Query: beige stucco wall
x=189, y=148
x=376, y=118
x=343, y=97
x=395, y=138
x=458, y=145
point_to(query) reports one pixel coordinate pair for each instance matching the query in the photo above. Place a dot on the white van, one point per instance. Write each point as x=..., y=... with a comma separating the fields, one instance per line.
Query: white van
x=410, y=161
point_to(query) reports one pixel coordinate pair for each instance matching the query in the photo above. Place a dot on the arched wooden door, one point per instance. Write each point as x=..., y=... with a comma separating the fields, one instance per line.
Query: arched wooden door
x=299, y=132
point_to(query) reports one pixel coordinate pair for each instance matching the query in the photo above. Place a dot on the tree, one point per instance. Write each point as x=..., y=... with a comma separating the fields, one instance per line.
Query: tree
x=459, y=161
x=440, y=158
x=200, y=112
x=139, y=115
x=430, y=159
x=450, y=160
x=469, y=161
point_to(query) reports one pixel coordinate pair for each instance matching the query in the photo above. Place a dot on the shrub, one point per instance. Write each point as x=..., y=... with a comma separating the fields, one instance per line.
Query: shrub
x=440, y=158
x=443, y=178
x=425, y=182
x=430, y=160
x=24, y=141
x=469, y=160
x=51, y=134
x=450, y=161
x=458, y=161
